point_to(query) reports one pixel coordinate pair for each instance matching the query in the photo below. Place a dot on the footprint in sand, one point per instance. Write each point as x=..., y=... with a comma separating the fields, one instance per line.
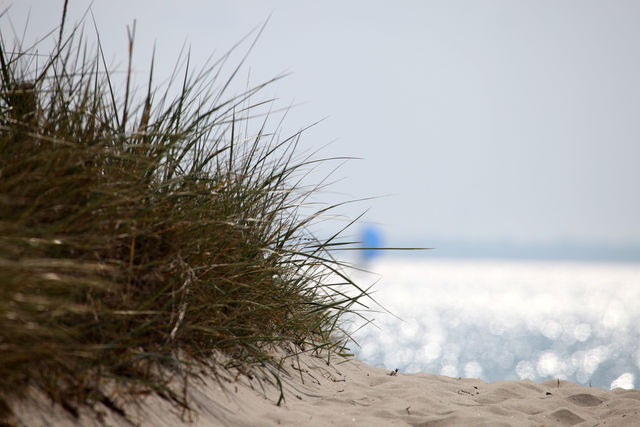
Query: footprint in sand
x=584, y=399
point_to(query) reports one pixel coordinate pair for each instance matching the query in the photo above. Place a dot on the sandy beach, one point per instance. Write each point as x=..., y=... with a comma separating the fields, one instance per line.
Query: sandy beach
x=349, y=392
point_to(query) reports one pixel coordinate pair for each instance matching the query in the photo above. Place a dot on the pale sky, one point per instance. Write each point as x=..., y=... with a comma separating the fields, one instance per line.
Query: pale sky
x=514, y=121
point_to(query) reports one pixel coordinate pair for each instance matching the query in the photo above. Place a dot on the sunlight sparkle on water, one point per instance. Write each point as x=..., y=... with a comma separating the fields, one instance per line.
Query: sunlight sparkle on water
x=500, y=320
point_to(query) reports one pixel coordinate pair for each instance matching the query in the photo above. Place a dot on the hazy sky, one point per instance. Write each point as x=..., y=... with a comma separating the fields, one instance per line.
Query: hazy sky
x=489, y=120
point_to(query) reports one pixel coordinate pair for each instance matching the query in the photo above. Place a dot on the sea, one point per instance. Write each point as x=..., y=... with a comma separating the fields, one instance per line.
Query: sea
x=502, y=319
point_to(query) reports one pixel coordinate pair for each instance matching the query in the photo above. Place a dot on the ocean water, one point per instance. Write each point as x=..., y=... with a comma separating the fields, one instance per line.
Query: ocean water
x=505, y=320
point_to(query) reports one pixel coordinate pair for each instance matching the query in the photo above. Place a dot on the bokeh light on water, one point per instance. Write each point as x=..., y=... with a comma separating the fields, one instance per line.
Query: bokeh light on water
x=505, y=320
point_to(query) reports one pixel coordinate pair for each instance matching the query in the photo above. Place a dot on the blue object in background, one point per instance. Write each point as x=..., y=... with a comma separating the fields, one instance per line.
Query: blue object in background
x=371, y=237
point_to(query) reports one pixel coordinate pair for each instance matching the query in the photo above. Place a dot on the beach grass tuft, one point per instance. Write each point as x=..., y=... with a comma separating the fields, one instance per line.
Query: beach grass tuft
x=144, y=227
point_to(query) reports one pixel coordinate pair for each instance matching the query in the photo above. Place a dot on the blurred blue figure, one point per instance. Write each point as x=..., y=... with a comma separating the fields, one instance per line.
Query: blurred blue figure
x=371, y=237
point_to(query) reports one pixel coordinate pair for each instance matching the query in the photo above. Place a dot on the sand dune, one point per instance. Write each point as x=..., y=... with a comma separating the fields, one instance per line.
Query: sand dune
x=349, y=392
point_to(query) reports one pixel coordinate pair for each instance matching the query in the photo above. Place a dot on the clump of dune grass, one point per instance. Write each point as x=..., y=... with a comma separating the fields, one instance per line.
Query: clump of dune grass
x=140, y=231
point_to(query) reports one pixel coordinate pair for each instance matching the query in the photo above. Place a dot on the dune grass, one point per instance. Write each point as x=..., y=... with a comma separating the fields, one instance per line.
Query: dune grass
x=140, y=231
